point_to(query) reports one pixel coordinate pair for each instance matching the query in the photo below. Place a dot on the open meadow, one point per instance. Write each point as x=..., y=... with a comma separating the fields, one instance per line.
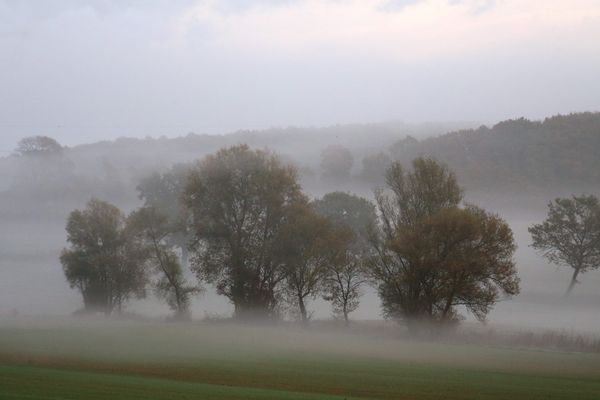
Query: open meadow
x=93, y=359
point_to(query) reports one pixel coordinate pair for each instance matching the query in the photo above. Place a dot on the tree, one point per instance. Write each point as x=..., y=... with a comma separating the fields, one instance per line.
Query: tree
x=307, y=249
x=345, y=274
x=38, y=145
x=154, y=230
x=239, y=199
x=352, y=216
x=105, y=262
x=431, y=255
x=163, y=192
x=336, y=162
x=570, y=235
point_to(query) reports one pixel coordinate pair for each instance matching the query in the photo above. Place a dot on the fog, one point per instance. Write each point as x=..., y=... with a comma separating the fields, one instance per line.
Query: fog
x=83, y=71
x=38, y=194
x=505, y=93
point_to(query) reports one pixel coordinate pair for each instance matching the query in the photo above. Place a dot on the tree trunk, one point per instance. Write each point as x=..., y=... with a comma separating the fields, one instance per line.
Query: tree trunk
x=573, y=281
x=303, y=313
x=345, y=312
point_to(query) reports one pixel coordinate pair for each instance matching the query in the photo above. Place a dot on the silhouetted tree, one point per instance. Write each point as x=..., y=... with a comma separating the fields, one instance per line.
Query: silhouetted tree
x=570, y=235
x=239, y=199
x=433, y=256
x=105, y=262
x=154, y=230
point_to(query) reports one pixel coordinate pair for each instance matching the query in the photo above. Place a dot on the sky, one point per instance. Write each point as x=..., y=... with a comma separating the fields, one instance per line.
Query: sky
x=87, y=70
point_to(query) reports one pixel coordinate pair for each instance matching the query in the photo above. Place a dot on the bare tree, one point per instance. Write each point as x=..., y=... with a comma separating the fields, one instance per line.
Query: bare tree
x=345, y=275
x=352, y=216
x=154, y=229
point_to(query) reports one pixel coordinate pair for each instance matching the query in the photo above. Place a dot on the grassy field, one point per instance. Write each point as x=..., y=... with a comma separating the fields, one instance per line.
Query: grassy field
x=63, y=359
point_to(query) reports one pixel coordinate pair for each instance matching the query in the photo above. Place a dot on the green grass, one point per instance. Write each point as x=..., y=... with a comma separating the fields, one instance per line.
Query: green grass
x=96, y=360
x=24, y=382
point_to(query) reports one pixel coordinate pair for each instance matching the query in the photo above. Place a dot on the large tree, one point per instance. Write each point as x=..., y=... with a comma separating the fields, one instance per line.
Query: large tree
x=154, y=230
x=352, y=216
x=239, y=199
x=106, y=261
x=433, y=256
x=570, y=235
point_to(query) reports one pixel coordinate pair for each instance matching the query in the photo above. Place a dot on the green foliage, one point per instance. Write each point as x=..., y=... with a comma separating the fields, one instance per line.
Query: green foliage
x=570, y=235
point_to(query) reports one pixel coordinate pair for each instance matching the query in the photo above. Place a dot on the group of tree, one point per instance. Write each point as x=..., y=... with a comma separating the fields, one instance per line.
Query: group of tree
x=114, y=257
x=259, y=240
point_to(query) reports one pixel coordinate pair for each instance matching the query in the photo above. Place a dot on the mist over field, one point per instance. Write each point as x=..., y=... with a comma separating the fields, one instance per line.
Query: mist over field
x=300, y=199
x=38, y=197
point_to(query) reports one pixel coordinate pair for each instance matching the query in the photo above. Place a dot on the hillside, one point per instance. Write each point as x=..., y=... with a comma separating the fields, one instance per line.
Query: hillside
x=559, y=152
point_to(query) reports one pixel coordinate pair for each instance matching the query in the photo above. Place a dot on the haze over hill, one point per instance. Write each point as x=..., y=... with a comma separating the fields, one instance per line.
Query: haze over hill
x=83, y=71
x=513, y=167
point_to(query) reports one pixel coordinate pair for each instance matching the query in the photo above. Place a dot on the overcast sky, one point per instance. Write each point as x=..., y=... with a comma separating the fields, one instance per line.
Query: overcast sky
x=87, y=70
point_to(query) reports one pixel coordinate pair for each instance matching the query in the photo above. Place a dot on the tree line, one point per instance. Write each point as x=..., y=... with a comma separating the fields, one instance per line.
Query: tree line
x=240, y=221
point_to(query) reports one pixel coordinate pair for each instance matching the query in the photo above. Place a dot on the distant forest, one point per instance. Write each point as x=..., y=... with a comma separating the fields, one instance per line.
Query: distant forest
x=563, y=150
x=511, y=157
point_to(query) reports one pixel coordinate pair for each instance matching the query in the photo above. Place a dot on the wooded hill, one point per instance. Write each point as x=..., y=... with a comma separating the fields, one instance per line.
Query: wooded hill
x=519, y=154
x=560, y=154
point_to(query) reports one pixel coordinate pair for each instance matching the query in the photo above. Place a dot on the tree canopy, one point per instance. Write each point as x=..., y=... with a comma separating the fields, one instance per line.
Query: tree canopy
x=431, y=255
x=105, y=261
x=239, y=200
x=38, y=145
x=570, y=235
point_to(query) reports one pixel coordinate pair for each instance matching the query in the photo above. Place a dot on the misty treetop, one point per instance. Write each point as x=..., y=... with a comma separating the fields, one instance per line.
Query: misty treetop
x=513, y=157
x=38, y=146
